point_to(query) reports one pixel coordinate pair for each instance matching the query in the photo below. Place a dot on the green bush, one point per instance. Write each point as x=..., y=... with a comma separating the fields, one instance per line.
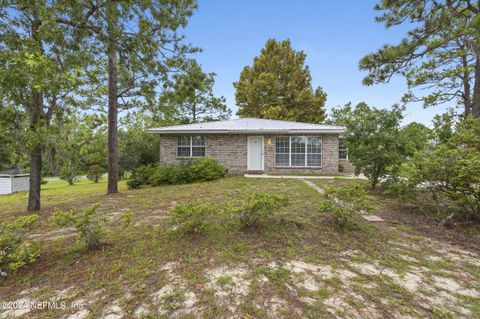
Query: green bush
x=192, y=218
x=141, y=176
x=343, y=202
x=70, y=173
x=257, y=208
x=206, y=169
x=95, y=173
x=187, y=171
x=88, y=222
x=450, y=171
x=133, y=184
x=15, y=252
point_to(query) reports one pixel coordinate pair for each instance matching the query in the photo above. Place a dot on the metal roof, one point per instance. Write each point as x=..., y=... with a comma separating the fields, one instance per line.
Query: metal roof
x=248, y=125
x=13, y=172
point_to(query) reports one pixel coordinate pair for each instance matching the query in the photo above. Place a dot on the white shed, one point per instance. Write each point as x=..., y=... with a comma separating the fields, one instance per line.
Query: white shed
x=14, y=181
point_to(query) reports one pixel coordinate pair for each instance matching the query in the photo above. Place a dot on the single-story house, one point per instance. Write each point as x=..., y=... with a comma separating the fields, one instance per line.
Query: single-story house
x=257, y=145
x=14, y=181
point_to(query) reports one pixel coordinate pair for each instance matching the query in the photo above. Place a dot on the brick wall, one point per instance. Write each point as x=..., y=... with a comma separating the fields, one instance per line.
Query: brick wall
x=231, y=152
x=347, y=166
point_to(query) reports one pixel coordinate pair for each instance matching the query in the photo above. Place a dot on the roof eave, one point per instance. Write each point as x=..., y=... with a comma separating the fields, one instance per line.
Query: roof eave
x=322, y=131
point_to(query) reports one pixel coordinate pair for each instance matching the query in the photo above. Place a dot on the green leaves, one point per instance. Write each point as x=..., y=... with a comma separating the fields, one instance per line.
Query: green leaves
x=87, y=221
x=15, y=251
x=438, y=54
x=344, y=202
x=279, y=86
x=193, y=218
x=190, y=98
x=373, y=138
x=259, y=207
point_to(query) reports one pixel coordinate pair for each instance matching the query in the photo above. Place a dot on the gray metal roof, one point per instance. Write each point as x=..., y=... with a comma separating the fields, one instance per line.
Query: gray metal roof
x=249, y=125
x=13, y=172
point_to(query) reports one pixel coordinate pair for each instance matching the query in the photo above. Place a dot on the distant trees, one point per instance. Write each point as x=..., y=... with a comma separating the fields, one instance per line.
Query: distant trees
x=441, y=52
x=140, y=45
x=41, y=64
x=190, y=98
x=57, y=56
x=279, y=86
x=137, y=147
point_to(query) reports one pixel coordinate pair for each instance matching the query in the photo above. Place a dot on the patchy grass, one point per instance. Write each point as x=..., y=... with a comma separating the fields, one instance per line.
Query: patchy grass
x=297, y=265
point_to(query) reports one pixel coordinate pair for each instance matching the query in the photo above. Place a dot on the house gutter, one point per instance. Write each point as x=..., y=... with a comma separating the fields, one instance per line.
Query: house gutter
x=331, y=131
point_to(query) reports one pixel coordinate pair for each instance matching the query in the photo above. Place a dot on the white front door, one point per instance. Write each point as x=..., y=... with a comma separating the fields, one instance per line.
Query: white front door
x=255, y=153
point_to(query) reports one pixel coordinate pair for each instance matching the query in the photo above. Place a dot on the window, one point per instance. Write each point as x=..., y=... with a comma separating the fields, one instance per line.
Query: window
x=342, y=150
x=298, y=151
x=191, y=146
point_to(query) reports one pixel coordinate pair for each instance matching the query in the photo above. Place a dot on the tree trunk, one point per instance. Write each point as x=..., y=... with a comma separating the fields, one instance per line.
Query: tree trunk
x=35, y=153
x=112, y=103
x=467, y=101
x=35, y=176
x=476, y=89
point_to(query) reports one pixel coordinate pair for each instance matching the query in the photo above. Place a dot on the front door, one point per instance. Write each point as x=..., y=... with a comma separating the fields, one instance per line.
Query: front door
x=255, y=153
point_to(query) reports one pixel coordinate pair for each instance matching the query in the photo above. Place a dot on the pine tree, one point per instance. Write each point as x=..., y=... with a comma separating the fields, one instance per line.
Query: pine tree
x=279, y=86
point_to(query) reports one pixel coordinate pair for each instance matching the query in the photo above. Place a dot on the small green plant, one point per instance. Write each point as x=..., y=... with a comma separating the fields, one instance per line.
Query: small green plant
x=95, y=173
x=192, y=218
x=133, y=184
x=258, y=207
x=15, y=252
x=87, y=221
x=343, y=202
x=70, y=173
x=127, y=218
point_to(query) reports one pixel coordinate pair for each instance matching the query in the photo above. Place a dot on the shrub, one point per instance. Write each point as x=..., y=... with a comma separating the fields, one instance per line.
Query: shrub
x=70, y=173
x=95, y=173
x=133, y=184
x=399, y=186
x=451, y=170
x=258, y=207
x=141, y=175
x=192, y=218
x=206, y=169
x=87, y=221
x=343, y=202
x=15, y=252
x=187, y=171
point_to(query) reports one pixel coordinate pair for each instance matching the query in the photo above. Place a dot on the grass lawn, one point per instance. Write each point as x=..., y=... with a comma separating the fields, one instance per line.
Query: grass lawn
x=298, y=265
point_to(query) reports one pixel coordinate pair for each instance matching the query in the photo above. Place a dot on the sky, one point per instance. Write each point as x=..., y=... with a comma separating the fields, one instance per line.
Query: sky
x=335, y=35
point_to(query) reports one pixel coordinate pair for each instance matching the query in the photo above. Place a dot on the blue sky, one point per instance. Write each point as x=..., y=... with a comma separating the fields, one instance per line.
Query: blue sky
x=335, y=35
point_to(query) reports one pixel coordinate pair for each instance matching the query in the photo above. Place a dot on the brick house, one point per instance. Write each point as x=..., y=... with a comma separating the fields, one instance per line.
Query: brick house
x=257, y=145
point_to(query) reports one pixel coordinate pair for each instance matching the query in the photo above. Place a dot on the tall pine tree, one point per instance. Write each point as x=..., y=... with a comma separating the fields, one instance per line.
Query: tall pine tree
x=279, y=86
x=440, y=53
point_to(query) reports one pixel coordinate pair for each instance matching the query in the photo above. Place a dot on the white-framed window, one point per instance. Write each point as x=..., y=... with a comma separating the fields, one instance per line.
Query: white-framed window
x=191, y=146
x=300, y=151
x=342, y=150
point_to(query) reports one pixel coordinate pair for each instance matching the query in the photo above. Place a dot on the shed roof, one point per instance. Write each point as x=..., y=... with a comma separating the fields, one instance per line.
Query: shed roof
x=249, y=125
x=13, y=172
